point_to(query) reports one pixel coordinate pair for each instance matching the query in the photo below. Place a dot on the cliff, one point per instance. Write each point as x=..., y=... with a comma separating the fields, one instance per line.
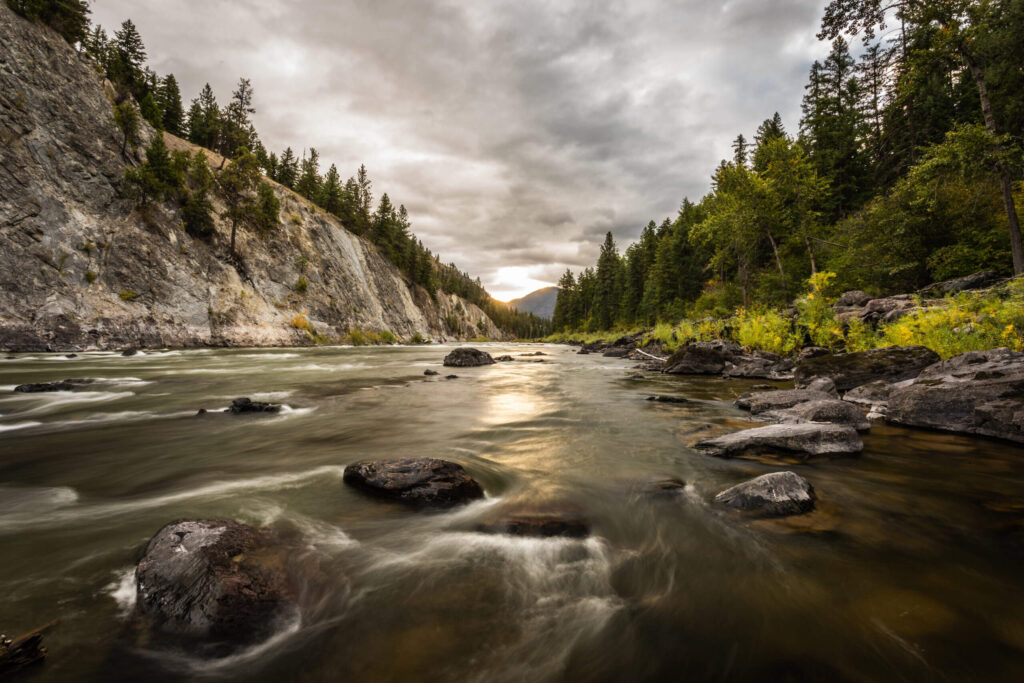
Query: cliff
x=83, y=268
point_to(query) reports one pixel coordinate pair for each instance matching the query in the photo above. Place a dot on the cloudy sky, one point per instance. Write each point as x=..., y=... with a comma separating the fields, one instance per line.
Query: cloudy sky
x=516, y=132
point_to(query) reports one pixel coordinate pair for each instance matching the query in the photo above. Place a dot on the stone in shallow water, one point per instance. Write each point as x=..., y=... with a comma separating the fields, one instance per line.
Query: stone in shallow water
x=833, y=411
x=421, y=481
x=760, y=401
x=467, y=357
x=804, y=440
x=61, y=385
x=668, y=399
x=776, y=494
x=538, y=524
x=247, y=405
x=430, y=373
x=216, y=580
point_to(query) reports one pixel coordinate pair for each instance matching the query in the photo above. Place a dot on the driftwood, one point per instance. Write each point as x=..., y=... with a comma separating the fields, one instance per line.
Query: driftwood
x=25, y=650
x=650, y=355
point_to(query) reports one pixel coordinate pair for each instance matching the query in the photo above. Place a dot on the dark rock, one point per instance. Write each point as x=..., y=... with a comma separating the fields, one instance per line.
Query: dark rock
x=979, y=392
x=761, y=365
x=764, y=387
x=804, y=440
x=467, y=357
x=853, y=298
x=668, y=399
x=62, y=385
x=430, y=373
x=874, y=395
x=537, y=524
x=635, y=376
x=213, y=580
x=616, y=353
x=201, y=412
x=702, y=358
x=776, y=494
x=423, y=481
x=71, y=355
x=759, y=402
x=823, y=384
x=535, y=353
x=503, y=359
x=663, y=488
x=451, y=376
x=979, y=280
x=129, y=352
x=877, y=309
x=811, y=352
x=246, y=405
x=10, y=358
x=849, y=370
x=829, y=411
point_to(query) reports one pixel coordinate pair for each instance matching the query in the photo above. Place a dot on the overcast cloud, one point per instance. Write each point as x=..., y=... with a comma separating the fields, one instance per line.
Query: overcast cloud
x=515, y=132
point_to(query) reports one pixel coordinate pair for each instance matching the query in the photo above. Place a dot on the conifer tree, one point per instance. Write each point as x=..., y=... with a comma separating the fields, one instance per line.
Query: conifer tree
x=70, y=18
x=332, y=192
x=237, y=183
x=287, y=169
x=127, y=58
x=308, y=184
x=169, y=99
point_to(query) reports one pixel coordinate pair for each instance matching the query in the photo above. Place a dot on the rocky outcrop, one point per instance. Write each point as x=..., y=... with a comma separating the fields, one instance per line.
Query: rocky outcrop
x=420, y=481
x=801, y=440
x=777, y=494
x=761, y=401
x=979, y=280
x=831, y=411
x=853, y=298
x=217, y=581
x=60, y=385
x=720, y=357
x=467, y=357
x=979, y=392
x=83, y=268
x=849, y=370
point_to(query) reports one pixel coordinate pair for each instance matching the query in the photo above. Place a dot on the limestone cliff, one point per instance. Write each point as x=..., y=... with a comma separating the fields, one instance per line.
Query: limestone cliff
x=81, y=267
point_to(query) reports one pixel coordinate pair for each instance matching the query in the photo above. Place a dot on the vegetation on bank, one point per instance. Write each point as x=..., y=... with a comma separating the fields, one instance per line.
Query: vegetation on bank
x=967, y=321
x=228, y=131
x=905, y=170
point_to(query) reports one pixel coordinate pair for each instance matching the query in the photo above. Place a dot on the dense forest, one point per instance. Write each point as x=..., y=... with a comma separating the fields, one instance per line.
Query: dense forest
x=228, y=130
x=904, y=170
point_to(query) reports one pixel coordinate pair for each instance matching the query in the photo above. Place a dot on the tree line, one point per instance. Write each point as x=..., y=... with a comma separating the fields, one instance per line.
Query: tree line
x=905, y=169
x=228, y=130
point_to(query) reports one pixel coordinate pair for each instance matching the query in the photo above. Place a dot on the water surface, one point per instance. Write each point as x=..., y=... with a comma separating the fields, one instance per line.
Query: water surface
x=909, y=570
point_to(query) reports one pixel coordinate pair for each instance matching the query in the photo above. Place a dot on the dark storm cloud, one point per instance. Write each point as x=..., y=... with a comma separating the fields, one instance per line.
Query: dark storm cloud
x=516, y=132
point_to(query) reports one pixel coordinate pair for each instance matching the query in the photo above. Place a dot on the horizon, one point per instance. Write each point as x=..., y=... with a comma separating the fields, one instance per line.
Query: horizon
x=533, y=146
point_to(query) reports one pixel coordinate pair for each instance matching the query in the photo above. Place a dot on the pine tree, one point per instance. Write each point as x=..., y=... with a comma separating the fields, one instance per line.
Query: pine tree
x=127, y=57
x=332, y=192
x=606, y=292
x=308, y=184
x=169, y=99
x=97, y=47
x=70, y=18
x=204, y=119
x=287, y=169
x=739, y=150
x=237, y=183
x=237, y=128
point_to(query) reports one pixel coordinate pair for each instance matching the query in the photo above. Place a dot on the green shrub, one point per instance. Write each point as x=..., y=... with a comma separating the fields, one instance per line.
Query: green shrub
x=90, y=276
x=302, y=285
x=127, y=295
x=416, y=338
x=767, y=331
x=387, y=337
x=817, y=317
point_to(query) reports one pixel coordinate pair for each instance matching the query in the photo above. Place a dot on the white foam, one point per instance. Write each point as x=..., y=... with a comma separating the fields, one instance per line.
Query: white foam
x=265, y=396
x=31, y=499
x=53, y=400
x=18, y=425
x=124, y=591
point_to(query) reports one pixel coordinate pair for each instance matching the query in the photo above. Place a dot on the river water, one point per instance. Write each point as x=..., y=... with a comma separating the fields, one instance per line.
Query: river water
x=910, y=568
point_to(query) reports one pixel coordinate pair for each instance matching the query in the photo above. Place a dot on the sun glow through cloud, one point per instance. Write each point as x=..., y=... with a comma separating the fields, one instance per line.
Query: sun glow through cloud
x=512, y=282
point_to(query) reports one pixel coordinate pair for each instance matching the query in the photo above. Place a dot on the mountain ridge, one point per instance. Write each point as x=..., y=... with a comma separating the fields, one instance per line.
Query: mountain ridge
x=540, y=302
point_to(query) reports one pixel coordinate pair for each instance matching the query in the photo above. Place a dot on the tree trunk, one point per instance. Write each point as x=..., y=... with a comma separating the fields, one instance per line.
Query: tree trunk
x=1005, y=182
x=234, y=224
x=810, y=252
x=778, y=262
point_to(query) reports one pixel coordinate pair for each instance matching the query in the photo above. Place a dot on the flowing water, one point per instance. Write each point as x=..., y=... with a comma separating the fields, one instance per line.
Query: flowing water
x=910, y=569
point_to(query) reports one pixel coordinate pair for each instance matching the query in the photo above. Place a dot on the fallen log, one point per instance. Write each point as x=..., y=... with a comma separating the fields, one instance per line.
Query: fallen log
x=25, y=650
x=651, y=355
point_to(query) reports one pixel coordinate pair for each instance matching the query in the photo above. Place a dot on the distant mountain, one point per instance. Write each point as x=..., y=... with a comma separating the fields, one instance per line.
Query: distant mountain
x=541, y=302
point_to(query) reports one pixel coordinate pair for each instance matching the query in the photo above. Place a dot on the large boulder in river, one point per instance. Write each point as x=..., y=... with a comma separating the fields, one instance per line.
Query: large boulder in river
x=420, y=481
x=720, y=357
x=467, y=357
x=776, y=494
x=761, y=401
x=849, y=370
x=220, y=582
x=831, y=411
x=979, y=392
x=240, y=406
x=802, y=440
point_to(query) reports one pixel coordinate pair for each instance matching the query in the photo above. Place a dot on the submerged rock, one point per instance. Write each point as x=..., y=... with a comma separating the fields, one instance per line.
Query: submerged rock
x=831, y=411
x=668, y=399
x=662, y=488
x=804, y=440
x=422, y=481
x=430, y=373
x=503, y=359
x=247, y=405
x=537, y=524
x=979, y=392
x=776, y=494
x=215, y=580
x=849, y=370
x=129, y=352
x=760, y=401
x=61, y=385
x=467, y=357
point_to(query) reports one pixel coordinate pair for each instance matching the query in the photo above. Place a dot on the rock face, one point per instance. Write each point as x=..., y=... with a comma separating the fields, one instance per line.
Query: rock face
x=421, y=481
x=213, y=580
x=467, y=357
x=759, y=402
x=829, y=411
x=849, y=370
x=81, y=268
x=776, y=494
x=720, y=357
x=62, y=385
x=247, y=405
x=803, y=440
x=979, y=392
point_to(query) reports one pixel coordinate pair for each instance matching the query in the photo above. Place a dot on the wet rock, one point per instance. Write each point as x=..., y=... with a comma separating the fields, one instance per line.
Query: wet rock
x=129, y=352
x=979, y=392
x=422, y=481
x=829, y=411
x=535, y=353
x=759, y=402
x=214, y=580
x=503, y=359
x=539, y=524
x=804, y=440
x=582, y=352
x=668, y=399
x=451, y=376
x=702, y=358
x=71, y=355
x=616, y=353
x=201, y=412
x=10, y=358
x=811, y=352
x=849, y=370
x=854, y=297
x=824, y=385
x=247, y=405
x=62, y=385
x=662, y=488
x=777, y=494
x=467, y=357
x=431, y=373
x=764, y=387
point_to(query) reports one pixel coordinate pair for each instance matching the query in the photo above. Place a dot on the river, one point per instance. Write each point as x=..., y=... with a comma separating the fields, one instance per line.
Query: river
x=910, y=568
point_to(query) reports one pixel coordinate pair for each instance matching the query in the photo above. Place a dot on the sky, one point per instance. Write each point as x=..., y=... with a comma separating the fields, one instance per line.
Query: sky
x=516, y=132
